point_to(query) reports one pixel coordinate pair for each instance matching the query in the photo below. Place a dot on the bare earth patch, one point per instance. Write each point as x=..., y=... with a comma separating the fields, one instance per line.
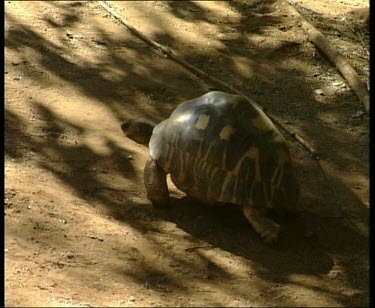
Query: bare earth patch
x=79, y=228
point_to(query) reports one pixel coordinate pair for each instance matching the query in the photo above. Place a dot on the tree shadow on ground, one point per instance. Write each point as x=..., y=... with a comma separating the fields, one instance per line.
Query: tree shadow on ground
x=225, y=227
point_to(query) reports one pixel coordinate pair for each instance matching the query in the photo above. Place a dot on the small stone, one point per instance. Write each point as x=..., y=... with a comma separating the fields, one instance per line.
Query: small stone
x=358, y=114
x=99, y=42
x=70, y=255
x=319, y=92
x=339, y=84
x=130, y=157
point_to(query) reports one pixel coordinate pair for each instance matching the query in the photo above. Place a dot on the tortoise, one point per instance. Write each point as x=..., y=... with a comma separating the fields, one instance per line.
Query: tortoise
x=220, y=148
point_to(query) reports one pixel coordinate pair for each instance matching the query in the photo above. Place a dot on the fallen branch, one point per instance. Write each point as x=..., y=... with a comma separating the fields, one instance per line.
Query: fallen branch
x=203, y=76
x=334, y=56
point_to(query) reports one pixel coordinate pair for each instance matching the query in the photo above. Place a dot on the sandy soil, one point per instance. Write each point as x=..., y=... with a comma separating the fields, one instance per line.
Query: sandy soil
x=79, y=228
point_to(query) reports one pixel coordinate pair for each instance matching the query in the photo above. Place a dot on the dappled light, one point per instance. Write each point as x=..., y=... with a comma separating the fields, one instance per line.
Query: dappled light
x=79, y=228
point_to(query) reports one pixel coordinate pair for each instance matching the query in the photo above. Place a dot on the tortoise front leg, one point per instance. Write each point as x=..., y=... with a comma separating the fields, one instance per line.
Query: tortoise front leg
x=155, y=181
x=265, y=227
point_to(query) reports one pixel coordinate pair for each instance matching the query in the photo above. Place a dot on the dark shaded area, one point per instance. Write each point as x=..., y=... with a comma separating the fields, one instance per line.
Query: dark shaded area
x=225, y=227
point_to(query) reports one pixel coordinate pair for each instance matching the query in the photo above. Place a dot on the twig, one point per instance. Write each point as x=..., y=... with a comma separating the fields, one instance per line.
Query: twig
x=334, y=56
x=302, y=141
x=169, y=53
x=199, y=247
x=96, y=238
x=203, y=76
x=359, y=35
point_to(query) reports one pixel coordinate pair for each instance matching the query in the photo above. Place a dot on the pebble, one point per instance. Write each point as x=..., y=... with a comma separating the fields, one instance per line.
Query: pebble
x=319, y=92
x=339, y=84
x=358, y=114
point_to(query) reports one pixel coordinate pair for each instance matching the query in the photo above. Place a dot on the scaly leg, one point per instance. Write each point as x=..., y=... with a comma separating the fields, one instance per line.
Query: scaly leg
x=155, y=181
x=265, y=227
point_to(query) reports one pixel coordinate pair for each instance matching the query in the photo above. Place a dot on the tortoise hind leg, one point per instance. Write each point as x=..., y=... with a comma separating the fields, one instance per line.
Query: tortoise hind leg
x=156, y=184
x=265, y=227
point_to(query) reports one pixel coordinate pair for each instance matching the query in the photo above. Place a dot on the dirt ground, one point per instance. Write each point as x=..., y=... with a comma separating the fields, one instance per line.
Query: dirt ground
x=79, y=230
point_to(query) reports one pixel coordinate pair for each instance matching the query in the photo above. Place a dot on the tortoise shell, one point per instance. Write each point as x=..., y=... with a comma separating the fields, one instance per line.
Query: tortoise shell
x=221, y=148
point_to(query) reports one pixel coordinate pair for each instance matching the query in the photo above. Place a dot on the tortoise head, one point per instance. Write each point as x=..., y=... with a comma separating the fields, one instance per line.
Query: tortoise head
x=286, y=202
x=138, y=130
